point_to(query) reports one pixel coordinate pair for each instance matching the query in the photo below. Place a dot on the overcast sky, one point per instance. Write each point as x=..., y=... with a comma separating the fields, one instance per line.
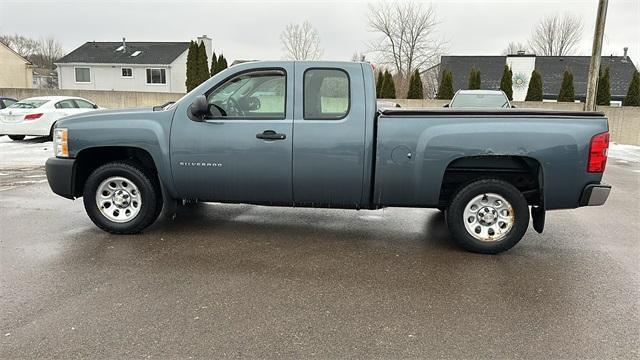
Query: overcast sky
x=250, y=29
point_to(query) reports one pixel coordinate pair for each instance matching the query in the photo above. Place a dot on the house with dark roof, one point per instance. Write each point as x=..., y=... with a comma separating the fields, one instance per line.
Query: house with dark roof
x=127, y=66
x=552, y=68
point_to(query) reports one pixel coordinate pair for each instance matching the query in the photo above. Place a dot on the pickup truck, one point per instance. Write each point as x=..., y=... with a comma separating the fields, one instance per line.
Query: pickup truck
x=309, y=134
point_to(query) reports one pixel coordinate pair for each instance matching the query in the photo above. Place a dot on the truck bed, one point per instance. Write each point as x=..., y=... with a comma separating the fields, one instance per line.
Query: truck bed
x=416, y=147
x=416, y=112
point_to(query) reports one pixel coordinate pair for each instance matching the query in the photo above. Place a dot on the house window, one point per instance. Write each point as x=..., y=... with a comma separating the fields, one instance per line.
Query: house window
x=127, y=72
x=156, y=76
x=83, y=75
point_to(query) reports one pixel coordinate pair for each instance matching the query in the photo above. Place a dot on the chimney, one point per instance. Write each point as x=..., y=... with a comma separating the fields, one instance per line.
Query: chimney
x=124, y=45
x=207, y=46
x=625, y=57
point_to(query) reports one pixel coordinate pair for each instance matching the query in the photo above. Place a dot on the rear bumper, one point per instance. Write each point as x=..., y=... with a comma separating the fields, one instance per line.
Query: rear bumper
x=595, y=195
x=60, y=175
x=33, y=127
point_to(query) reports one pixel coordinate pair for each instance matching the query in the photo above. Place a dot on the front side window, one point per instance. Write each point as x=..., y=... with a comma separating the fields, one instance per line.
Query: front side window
x=326, y=94
x=253, y=95
x=127, y=72
x=156, y=76
x=83, y=75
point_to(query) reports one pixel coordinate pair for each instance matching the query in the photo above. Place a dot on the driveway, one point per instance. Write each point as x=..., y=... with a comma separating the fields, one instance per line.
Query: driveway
x=251, y=281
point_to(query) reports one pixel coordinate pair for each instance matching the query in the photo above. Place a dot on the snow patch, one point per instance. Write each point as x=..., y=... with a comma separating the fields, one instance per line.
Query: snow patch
x=33, y=151
x=627, y=153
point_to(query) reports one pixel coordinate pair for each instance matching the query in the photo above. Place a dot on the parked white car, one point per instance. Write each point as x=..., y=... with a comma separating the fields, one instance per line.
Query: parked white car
x=36, y=116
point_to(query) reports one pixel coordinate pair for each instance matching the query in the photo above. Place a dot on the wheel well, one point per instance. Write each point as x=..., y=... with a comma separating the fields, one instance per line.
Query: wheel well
x=90, y=159
x=522, y=172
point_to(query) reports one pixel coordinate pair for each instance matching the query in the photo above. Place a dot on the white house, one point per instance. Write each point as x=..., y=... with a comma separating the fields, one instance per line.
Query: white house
x=127, y=66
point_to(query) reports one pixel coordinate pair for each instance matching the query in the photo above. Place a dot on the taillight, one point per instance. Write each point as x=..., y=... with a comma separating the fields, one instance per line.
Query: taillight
x=33, y=116
x=598, y=153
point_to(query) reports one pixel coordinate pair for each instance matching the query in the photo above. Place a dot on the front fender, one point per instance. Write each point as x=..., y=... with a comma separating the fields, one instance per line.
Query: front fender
x=148, y=131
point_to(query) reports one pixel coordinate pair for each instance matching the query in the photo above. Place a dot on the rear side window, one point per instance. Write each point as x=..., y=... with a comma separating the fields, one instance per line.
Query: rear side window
x=326, y=94
x=84, y=104
x=66, y=104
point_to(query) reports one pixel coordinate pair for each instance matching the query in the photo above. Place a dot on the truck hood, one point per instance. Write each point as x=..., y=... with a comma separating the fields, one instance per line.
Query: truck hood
x=103, y=116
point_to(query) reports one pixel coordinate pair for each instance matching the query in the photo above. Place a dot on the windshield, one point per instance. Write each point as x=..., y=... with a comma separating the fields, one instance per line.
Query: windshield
x=28, y=104
x=480, y=100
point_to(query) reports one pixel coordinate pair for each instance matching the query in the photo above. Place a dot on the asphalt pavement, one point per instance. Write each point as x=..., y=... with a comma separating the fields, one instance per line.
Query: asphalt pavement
x=230, y=281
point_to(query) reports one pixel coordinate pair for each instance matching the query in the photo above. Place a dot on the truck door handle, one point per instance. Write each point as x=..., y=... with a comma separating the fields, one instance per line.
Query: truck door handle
x=271, y=135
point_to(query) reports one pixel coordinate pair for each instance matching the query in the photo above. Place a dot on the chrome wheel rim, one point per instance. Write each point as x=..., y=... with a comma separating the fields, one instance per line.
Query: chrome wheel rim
x=118, y=199
x=488, y=217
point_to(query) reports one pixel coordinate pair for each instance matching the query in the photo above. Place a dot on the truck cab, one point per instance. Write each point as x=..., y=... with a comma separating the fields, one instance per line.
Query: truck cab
x=297, y=130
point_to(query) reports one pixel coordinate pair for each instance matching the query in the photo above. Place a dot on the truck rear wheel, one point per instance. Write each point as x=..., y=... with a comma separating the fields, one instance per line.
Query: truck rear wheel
x=488, y=216
x=121, y=198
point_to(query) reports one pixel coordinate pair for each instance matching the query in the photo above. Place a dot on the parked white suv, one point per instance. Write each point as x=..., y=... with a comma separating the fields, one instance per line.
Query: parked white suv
x=36, y=116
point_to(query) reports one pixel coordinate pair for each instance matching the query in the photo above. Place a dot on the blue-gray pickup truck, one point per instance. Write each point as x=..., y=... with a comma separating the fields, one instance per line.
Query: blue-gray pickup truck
x=309, y=134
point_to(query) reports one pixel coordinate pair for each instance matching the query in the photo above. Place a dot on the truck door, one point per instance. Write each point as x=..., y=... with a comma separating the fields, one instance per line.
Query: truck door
x=329, y=127
x=241, y=152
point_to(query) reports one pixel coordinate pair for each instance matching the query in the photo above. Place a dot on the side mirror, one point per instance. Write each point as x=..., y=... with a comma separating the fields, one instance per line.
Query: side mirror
x=513, y=106
x=95, y=106
x=198, y=108
x=446, y=105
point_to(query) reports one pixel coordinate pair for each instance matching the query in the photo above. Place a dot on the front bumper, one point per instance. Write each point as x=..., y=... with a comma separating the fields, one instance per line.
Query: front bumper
x=595, y=194
x=61, y=175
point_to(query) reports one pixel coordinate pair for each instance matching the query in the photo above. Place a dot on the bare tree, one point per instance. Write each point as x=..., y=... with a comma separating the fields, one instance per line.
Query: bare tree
x=42, y=53
x=556, y=35
x=48, y=51
x=430, y=82
x=21, y=44
x=408, y=37
x=514, y=46
x=301, y=42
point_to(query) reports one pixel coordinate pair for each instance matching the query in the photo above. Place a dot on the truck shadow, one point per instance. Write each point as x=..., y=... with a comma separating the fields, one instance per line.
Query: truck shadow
x=426, y=229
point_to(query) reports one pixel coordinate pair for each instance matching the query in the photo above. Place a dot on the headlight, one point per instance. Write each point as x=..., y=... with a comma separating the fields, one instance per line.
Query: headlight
x=60, y=142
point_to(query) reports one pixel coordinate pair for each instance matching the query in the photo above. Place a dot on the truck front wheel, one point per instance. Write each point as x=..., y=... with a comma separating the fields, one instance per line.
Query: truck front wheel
x=121, y=198
x=488, y=216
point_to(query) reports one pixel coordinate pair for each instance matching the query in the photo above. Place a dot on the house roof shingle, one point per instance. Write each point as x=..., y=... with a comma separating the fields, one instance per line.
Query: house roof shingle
x=551, y=67
x=157, y=53
x=490, y=67
x=552, y=70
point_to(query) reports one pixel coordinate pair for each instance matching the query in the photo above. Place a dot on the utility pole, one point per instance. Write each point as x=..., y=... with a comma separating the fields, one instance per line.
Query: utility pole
x=596, y=50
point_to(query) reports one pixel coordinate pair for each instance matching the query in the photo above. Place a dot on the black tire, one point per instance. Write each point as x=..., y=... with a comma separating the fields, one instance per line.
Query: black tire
x=16, y=137
x=50, y=136
x=149, y=191
x=455, y=216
